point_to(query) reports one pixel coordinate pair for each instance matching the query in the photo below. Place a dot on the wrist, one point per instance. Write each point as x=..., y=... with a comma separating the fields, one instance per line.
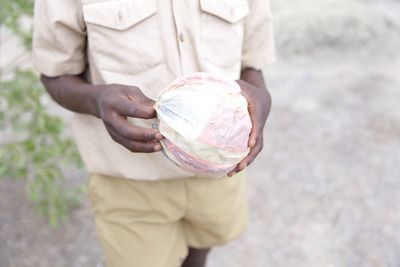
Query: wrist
x=94, y=93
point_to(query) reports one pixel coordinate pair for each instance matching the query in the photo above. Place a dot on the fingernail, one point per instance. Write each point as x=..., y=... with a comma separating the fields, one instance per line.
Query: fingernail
x=157, y=147
x=158, y=136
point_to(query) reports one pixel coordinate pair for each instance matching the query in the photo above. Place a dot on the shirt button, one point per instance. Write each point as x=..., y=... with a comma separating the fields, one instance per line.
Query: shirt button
x=181, y=38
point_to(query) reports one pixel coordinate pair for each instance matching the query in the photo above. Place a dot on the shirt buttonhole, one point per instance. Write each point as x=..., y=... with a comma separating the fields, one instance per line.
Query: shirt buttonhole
x=181, y=37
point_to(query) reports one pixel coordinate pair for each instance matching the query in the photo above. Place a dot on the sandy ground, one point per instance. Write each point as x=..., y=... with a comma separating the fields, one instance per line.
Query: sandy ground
x=325, y=191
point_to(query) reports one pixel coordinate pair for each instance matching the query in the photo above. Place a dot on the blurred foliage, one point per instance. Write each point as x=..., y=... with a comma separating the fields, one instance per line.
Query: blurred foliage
x=13, y=14
x=38, y=149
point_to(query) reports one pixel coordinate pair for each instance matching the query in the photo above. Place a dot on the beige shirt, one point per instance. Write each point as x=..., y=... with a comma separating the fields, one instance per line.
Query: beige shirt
x=146, y=43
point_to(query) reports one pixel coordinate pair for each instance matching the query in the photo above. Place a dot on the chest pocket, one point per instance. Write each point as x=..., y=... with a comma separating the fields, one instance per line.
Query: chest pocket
x=222, y=30
x=123, y=36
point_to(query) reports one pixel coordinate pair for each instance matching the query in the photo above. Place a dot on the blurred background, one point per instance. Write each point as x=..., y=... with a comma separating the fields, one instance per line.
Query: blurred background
x=325, y=192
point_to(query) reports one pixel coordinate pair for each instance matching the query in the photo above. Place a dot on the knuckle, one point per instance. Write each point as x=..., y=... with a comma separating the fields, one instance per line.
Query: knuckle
x=133, y=147
x=147, y=136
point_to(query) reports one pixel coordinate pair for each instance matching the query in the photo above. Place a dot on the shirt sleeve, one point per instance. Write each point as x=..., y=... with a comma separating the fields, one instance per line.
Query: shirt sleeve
x=59, y=38
x=259, y=45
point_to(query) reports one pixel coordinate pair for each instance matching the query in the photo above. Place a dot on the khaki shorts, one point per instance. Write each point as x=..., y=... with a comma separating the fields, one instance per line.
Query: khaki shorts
x=152, y=223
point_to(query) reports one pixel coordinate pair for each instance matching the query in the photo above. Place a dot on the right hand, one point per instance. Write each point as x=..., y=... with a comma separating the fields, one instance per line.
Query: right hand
x=115, y=103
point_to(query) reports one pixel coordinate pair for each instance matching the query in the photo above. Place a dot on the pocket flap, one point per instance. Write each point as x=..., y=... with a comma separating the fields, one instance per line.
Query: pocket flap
x=118, y=15
x=229, y=10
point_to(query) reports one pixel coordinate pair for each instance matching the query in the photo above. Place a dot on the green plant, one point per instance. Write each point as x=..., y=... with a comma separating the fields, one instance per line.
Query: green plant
x=12, y=15
x=39, y=149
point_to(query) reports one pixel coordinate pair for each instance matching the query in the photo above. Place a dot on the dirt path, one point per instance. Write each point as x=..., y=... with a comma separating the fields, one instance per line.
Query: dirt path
x=325, y=190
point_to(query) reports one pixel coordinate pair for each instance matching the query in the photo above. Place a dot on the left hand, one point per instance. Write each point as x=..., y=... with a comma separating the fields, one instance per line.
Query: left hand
x=259, y=101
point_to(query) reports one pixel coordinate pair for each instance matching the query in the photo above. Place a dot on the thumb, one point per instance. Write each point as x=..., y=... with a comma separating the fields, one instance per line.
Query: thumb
x=147, y=101
x=134, y=109
x=138, y=96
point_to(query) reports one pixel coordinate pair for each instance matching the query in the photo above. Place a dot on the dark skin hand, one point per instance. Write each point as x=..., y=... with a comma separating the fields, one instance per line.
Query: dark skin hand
x=254, y=90
x=112, y=103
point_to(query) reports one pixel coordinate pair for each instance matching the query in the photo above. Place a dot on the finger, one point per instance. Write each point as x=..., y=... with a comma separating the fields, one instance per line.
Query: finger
x=134, y=146
x=135, y=109
x=255, y=126
x=148, y=101
x=131, y=132
x=149, y=147
x=250, y=157
x=247, y=160
x=234, y=171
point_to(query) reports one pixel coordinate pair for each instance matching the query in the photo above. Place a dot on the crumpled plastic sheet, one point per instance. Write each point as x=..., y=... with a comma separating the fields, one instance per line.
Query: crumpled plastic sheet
x=206, y=124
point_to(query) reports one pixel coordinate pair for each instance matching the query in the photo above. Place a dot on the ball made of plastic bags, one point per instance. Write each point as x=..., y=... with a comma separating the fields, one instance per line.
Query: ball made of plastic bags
x=205, y=121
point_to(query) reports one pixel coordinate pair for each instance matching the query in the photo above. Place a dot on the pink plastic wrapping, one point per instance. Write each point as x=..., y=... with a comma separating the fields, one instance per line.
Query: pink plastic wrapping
x=206, y=123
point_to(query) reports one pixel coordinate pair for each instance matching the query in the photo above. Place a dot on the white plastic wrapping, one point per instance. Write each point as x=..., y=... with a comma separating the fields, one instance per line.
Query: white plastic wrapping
x=206, y=124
